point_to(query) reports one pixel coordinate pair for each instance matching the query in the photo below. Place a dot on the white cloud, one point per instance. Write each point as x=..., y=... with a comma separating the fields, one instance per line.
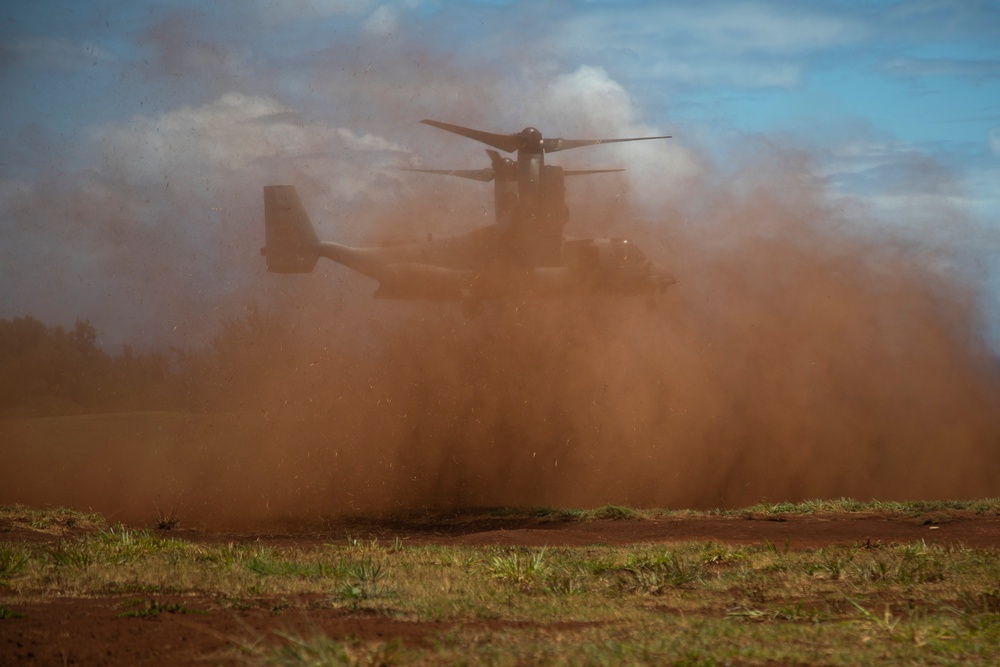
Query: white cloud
x=900, y=182
x=734, y=29
x=368, y=142
x=757, y=28
x=993, y=140
x=982, y=69
x=741, y=73
x=744, y=45
x=196, y=147
x=383, y=21
x=63, y=53
x=310, y=10
x=860, y=155
x=592, y=96
x=166, y=224
x=588, y=103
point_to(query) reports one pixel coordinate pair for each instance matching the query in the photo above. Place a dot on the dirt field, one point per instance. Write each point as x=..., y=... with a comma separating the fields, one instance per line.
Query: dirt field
x=91, y=630
x=253, y=489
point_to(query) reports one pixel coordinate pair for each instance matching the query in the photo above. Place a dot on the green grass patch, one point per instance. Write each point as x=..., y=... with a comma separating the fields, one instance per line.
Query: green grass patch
x=614, y=513
x=7, y=613
x=50, y=520
x=686, y=603
x=987, y=506
x=654, y=575
x=319, y=650
x=272, y=563
x=13, y=559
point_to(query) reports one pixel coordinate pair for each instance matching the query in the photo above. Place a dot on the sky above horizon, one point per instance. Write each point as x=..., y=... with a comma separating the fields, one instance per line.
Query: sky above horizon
x=136, y=136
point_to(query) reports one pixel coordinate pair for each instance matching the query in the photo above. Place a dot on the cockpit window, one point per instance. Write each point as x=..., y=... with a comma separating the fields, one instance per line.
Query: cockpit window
x=627, y=252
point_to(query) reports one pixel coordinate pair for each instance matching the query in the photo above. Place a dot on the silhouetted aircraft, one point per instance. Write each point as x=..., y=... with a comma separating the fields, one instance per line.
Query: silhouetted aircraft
x=522, y=254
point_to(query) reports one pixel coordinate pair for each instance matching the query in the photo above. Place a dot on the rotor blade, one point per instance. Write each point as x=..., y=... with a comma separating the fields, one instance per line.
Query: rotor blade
x=504, y=169
x=494, y=157
x=553, y=145
x=584, y=172
x=484, y=175
x=505, y=142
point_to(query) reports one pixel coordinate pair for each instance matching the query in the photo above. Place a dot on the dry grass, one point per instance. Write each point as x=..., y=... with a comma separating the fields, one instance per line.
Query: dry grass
x=690, y=603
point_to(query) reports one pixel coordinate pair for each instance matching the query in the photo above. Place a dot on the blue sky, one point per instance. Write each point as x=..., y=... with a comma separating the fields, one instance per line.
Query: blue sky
x=136, y=135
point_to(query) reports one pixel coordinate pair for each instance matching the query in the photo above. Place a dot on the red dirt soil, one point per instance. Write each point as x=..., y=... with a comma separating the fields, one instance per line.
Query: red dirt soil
x=90, y=631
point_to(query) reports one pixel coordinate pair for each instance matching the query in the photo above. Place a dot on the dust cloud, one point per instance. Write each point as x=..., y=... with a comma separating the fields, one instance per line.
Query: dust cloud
x=799, y=356
x=804, y=352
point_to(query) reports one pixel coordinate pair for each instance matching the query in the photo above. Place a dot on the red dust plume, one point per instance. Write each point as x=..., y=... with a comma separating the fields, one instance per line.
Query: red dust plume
x=799, y=356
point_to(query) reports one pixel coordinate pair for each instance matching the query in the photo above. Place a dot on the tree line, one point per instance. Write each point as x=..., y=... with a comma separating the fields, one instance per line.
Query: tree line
x=55, y=370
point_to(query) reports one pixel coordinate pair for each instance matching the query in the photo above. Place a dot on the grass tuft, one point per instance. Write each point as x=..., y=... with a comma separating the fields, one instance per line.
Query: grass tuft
x=364, y=579
x=914, y=508
x=613, y=513
x=50, y=520
x=152, y=609
x=7, y=613
x=167, y=521
x=657, y=574
x=268, y=563
x=12, y=560
x=523, y=569
x=320, y=650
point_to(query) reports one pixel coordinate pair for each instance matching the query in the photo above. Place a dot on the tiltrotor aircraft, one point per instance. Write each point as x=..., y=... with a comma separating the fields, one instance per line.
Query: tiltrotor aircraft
x=522, y=254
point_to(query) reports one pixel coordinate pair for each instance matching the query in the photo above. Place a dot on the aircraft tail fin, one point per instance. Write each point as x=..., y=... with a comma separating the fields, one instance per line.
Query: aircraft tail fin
x=292, y=244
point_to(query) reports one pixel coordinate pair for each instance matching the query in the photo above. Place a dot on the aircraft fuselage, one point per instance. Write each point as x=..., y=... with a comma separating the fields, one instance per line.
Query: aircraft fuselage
x=465, y=268
x=488, y=263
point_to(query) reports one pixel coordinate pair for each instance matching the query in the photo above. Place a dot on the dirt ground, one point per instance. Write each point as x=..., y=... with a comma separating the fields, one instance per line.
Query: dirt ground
x=90, y=631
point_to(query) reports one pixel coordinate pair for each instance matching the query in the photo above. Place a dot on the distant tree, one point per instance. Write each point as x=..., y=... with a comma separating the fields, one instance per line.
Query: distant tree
x=50, y=370
x=39, y=363
x=240, y=357
x=84, y=334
